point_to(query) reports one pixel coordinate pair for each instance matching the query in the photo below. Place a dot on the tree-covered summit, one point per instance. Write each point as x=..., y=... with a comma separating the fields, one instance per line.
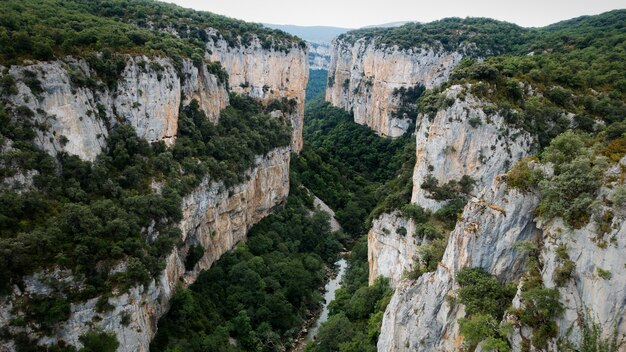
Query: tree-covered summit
x=484, y=37
x=47, y=29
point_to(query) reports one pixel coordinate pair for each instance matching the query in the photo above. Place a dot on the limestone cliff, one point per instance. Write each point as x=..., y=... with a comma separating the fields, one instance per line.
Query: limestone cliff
x=419, y=318
x=391, y=247
x=267, y=75
x=364, y=76
x=319, y=55
x=461, y=139
x=77, y=118
x=74, y=108
x=213, y=216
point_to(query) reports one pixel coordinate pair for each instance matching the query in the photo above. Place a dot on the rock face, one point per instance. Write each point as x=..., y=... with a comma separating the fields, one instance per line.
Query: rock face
x=419, y=316
x=76, y=112
x=459, y=140
x=147, y=96
x=319, y=56
x=391, y=247
x=462, y=139
x=363, y=77
x=267, y=75
x=214, y=217
x=149, y=92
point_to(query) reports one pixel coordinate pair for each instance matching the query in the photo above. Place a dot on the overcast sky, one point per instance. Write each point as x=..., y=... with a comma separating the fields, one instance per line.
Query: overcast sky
x=359, y=13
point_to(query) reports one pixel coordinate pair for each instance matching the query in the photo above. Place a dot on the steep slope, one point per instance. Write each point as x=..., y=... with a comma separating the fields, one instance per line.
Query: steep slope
x=153, y=128
x=379, y=73
x=550, y=225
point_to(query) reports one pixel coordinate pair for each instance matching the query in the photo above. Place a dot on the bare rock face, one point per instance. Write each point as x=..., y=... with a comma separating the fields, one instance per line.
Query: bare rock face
x=462, y=139
x=76, y=119
x=213, y=216
x=204, y=87
x=319, y=56
x=391, y=247
x=363, y=77
x=267, y=75
x=459, y=140
x=419, y=318
x=68, y=112
x=595, y=293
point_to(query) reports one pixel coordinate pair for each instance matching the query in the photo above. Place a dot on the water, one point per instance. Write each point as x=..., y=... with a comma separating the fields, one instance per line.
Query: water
x=329, y=296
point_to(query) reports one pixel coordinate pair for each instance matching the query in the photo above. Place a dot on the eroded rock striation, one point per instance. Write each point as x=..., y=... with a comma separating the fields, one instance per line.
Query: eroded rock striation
x=363, y=78
x=213, y=216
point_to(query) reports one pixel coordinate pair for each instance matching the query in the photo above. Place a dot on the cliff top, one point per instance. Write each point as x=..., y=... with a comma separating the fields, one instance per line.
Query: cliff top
x=483, y=36
x=43, y=30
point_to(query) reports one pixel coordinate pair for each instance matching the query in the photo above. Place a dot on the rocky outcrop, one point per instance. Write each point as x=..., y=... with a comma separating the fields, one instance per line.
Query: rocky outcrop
x=76, y=118
x=461, y=139
x=419, y=317
x=75, y=110
x=391, y=247
x=595, y=292
x=364, y=76
x=319, y=56
x=266, y=75
x=214, y=217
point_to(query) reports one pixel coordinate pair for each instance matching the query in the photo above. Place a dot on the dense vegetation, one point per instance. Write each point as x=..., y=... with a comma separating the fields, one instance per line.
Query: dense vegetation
x=260, y=293
x=53, y=28
x=89, y=217
x=345, y=164
x=316, y=86
x=473, y=36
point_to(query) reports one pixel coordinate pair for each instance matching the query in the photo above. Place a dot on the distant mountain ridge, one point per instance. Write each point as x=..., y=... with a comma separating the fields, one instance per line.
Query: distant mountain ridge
x=315, y=34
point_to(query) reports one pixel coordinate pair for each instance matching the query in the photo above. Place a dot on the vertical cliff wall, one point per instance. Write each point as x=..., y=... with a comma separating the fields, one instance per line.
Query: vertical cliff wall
x=267, y=75
x=213, y=216
x=461, y=139
x=363, y=77
x=76, y=117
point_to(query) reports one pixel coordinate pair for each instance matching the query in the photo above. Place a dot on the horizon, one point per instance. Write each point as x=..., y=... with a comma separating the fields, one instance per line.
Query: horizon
x=532, y=13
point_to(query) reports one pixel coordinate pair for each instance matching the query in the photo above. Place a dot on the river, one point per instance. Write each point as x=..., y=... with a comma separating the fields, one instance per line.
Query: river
x=329, y=295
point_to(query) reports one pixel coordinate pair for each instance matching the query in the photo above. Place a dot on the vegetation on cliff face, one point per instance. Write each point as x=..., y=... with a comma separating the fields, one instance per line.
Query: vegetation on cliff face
x=90, y=217
x=49, y=29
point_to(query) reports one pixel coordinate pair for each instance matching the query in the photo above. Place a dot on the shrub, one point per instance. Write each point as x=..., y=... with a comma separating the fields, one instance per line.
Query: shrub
x=522, y=177
x=99, y=341
x=193, y=256
x=482, y=293
x=427, y=231
x=605, y=274
x=416, y=213
x=563, y=273
x=619, y=196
